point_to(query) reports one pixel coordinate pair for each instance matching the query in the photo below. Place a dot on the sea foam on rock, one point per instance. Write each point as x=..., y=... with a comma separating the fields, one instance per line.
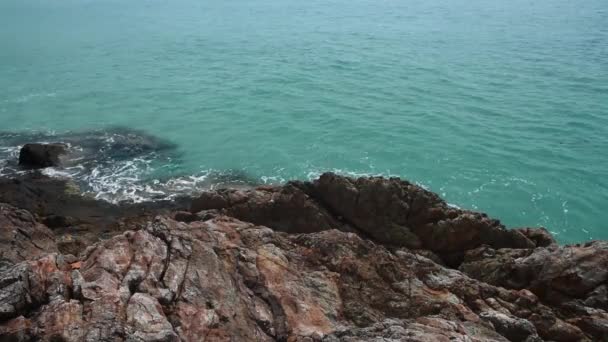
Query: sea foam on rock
x=338, y=259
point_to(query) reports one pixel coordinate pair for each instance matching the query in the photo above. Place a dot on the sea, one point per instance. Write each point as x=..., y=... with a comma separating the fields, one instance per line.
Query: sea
x=498, y=106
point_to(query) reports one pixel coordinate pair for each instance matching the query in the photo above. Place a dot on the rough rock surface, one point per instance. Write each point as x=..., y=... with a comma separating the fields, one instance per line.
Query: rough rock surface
x=389, y=211
x=77, y=220
x=539, y=235
x=21, y=237
x=41, y=155
x=286, y=208
x=306, y=267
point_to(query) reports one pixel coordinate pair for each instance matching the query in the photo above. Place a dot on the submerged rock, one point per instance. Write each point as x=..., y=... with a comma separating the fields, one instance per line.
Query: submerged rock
x=37, y=156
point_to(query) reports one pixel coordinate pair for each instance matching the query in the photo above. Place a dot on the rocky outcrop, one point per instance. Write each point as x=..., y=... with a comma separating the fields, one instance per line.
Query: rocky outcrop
x=389, y=211
x=77, y=220
x=224, y=279
x=337, y=259
x=37, y=156
x=539, y=235
x=285, y=208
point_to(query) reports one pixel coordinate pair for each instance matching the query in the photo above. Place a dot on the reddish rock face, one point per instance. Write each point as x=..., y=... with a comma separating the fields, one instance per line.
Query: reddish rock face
x=326, y=273
x=225, y=279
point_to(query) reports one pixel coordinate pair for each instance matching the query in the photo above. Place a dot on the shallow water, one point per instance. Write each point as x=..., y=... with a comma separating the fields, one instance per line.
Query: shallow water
x=499, y=106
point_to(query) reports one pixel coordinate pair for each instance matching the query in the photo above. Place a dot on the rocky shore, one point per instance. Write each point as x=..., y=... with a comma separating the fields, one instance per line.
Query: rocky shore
x=336, y=259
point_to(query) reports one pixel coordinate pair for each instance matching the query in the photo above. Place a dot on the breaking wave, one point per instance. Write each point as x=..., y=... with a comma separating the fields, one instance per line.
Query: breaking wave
x=120, y=164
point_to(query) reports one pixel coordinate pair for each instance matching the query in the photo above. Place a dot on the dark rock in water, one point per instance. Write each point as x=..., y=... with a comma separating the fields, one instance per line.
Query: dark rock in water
x=41, y=155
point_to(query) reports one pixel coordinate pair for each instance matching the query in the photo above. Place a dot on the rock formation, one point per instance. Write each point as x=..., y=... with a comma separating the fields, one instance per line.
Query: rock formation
x=41, y=155
x=338, y=259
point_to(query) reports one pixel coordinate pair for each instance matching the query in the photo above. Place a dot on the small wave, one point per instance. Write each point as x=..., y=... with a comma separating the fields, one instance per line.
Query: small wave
x=28, y=97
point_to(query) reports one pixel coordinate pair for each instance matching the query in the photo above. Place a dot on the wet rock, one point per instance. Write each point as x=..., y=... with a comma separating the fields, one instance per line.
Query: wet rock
x=41, y=155
x=70, y=213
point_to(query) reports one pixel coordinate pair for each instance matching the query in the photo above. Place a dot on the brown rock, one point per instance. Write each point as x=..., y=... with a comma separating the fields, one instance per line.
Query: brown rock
x=319, y=276
x=396, y=212
x=540, y=236
x=285, y=208
x=22, y=237
x=556, y=274
x=389, y=211
x=224, y=279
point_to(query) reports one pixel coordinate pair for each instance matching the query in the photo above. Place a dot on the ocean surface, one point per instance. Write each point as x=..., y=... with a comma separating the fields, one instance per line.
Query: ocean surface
x=498, y=106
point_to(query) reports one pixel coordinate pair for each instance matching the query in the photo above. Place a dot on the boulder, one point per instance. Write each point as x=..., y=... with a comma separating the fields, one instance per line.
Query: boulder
x=38, y=156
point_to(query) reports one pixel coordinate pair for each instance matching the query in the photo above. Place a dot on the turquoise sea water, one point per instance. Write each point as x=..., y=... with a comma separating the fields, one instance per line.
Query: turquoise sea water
x=499, y=106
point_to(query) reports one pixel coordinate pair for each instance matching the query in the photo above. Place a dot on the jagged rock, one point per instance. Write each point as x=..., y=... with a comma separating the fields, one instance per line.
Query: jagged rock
x=393, y=211
x=83, y=218
x=348, y=260
x=554, y=273
x=286, y=208
x=41, y=155
x=422, y=329
x=146, y=317
x=572, y=278
x=513, y=328
x=224, y=279
x=390, y=211
x=22, y=237
x=540, y=236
